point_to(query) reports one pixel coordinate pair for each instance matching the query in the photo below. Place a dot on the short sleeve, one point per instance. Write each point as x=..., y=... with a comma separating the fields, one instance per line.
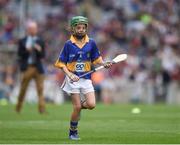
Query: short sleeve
x=63, y=57
x=95, y=54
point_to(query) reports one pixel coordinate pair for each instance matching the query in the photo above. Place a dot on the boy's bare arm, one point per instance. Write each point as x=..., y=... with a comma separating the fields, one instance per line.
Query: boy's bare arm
x=105, y=64
x=72, y=76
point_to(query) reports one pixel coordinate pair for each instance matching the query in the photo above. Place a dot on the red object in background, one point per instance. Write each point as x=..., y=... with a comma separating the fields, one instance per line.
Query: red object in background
x=176, y=74
x=117, y=69
x=97, y=77
x=59, y=76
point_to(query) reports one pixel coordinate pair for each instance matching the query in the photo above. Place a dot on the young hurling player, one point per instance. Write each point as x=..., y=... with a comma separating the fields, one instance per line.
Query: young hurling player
x=75, y=59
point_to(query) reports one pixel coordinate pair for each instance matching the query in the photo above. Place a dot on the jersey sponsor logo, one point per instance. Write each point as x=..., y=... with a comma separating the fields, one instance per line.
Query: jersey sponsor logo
x=80, y=67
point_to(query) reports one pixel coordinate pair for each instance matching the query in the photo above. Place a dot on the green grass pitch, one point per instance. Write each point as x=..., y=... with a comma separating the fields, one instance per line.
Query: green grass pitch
x=106, y=124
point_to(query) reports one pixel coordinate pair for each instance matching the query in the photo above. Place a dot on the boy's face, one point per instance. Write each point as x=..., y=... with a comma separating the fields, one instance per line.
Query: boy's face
x=80, y=31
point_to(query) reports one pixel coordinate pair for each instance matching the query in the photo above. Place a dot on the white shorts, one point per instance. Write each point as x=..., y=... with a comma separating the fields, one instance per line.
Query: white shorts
x=82, y=86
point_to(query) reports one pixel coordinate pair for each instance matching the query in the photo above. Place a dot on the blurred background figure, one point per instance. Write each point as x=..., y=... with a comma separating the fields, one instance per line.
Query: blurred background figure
x=147, y=30
x=31, y=51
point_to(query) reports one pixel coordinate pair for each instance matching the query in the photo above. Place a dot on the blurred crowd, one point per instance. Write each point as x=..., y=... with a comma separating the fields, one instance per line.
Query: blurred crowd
x=147, y=30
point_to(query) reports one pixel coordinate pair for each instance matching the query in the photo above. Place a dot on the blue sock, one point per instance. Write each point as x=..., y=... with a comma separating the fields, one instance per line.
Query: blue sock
x=73, y=127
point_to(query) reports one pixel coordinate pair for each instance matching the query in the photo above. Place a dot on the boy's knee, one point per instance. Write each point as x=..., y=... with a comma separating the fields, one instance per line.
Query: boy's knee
x=91, y=106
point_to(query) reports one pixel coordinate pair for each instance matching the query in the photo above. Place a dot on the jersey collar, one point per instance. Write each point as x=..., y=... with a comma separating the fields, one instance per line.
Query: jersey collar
x=73, y=39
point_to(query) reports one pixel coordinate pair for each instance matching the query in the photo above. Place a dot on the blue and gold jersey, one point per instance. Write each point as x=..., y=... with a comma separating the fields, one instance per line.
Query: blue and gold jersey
x=79, y=58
